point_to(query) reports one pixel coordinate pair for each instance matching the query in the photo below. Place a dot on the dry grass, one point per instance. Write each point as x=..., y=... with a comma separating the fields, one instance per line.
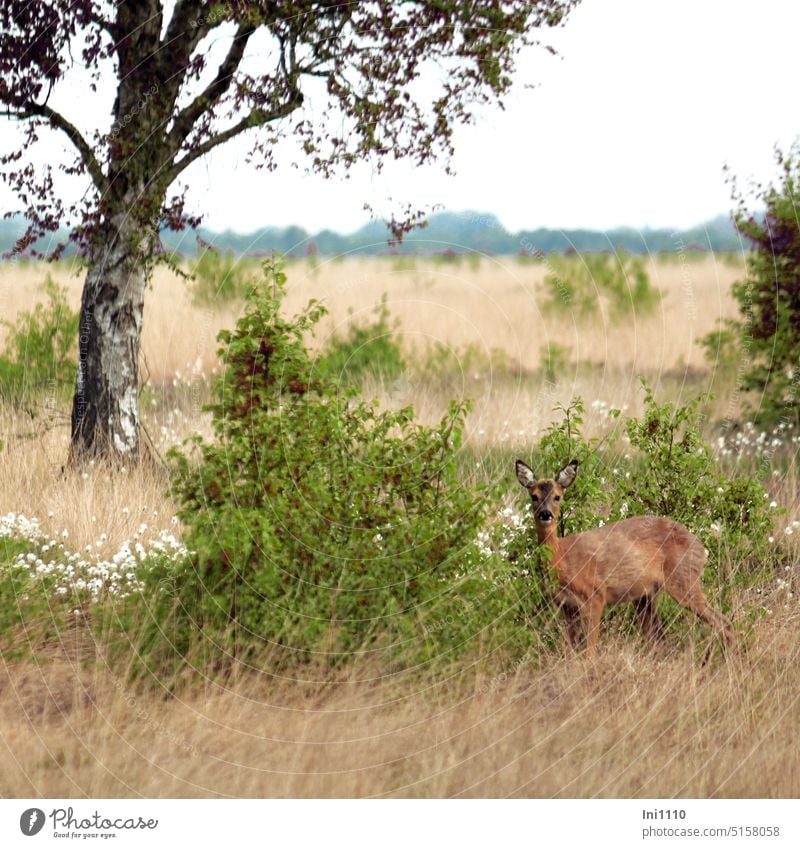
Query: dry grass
x=83, y=502
x=494, y=305
x=628, y=724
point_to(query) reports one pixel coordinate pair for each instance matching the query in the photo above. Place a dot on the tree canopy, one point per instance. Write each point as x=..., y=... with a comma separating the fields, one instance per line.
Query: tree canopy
x=346, y=81
x=387, y=79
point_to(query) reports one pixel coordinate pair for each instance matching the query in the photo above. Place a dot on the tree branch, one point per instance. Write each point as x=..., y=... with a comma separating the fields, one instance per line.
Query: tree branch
x=185, y=119
x=58, y=121
x=256, y=118
x=181, y=22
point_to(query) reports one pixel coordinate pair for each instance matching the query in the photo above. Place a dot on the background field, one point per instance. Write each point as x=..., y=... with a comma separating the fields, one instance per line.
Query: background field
x=632, y=723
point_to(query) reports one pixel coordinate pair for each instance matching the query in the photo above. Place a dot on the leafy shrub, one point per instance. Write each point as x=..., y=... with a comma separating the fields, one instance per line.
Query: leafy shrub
x=320, y=526
x=40, y=349
x=367, y=349
x=219, y=278
x=449, y=370
x=768, y=331
x=723, y=351
x=678, y=476
x=576, y=283
x=555, y=361
x=402, y=263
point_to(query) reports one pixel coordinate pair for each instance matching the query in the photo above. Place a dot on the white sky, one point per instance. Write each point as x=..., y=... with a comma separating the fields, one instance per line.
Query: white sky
x=630, y=125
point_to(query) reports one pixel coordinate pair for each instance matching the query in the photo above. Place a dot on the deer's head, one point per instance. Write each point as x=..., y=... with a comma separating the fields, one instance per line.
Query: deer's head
x=546, y=494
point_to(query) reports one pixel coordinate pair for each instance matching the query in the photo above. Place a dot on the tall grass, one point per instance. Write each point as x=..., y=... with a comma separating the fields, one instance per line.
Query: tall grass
x=626, y=725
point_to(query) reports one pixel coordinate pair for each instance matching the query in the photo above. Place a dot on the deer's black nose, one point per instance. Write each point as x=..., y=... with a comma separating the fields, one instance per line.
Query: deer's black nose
x=545, y=515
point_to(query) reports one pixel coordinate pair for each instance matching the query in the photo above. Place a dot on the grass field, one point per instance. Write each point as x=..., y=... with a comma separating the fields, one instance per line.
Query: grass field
x=630, y=723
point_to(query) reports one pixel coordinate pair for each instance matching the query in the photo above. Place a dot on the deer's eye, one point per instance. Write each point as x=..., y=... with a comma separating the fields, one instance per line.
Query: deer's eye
x=557, y=498
x=534, y=497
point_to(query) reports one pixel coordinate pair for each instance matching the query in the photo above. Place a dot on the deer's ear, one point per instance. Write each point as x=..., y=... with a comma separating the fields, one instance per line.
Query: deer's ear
x=524, y=474
x=567, y=475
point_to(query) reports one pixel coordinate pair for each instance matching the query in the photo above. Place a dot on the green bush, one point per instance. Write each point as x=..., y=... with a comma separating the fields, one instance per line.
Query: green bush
x=678, y=476
x=723, y=351
x=451, y=371
x=366, y=350
x=576, y=284
x=40, y=351
x=768, y=332
x=219, y=278
x=321, y=527
x=555, y=361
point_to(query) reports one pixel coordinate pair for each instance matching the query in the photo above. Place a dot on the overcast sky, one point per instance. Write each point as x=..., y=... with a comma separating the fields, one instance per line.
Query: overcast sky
x=631, y=125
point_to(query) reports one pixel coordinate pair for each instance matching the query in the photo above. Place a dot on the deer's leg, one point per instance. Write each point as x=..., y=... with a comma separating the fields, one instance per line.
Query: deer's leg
x=697, y=603
x=572, y=616
x=592, y=612
x=718, y=622
x=649, y=619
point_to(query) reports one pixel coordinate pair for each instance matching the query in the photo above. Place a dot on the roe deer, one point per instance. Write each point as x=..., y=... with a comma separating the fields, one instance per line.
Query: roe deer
x=627, y=561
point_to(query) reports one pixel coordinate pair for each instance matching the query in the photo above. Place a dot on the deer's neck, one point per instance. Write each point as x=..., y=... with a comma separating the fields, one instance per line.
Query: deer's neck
x=549, y=536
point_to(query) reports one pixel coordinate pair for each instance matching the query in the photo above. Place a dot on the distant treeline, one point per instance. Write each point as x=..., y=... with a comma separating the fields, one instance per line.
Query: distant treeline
x=446, y=232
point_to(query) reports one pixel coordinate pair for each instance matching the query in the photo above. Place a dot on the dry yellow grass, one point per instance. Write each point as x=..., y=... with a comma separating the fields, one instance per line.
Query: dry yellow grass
x=496, y=305
x=626, y=725
x=83, y=502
